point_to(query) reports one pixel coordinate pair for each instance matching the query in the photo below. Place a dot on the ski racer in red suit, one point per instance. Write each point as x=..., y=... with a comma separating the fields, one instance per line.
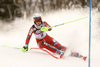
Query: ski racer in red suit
x=42, y=38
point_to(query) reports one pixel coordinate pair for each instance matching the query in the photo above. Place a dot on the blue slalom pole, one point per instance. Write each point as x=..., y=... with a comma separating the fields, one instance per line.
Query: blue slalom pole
x=90, y=33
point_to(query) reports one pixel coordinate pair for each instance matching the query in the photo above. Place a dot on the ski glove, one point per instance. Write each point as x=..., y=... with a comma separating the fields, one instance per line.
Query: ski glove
x=25, y=48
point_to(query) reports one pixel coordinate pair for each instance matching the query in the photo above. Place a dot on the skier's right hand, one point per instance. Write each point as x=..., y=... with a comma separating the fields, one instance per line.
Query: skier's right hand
x=25, y=48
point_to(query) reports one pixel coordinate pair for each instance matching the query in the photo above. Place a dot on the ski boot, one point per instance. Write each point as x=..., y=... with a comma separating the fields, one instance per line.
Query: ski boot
x=63, y=48
x=60, y=53
x=76, y=54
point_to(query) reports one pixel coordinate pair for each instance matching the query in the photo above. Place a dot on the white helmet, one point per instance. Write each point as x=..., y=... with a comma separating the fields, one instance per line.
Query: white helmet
x=37, y=18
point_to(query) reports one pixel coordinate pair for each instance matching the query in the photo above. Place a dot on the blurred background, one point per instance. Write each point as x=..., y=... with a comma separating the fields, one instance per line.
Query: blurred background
x=11, y=9
x=16, y=20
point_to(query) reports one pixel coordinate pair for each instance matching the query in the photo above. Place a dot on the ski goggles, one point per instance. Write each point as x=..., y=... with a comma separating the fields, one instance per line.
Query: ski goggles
x=37, y=19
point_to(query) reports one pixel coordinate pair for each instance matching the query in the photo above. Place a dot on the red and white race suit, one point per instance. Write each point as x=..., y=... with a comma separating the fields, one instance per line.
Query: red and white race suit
x=43, y=36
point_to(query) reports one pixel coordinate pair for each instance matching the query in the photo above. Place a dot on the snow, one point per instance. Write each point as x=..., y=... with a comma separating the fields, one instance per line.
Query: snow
x=74, y=35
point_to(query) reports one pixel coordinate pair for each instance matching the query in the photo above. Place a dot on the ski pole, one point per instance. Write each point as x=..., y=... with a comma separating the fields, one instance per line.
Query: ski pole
x=24, y=50
x=46, y=28
x=12, y=47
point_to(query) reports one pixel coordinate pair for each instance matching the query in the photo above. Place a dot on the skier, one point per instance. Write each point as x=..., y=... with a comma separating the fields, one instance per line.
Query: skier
x=43, y=39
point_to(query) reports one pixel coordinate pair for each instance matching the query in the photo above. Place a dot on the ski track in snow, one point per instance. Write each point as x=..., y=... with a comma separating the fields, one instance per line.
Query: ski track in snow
x=74, y=35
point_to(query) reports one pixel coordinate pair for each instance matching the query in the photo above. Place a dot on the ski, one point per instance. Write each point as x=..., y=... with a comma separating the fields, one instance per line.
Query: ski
x=47, y=52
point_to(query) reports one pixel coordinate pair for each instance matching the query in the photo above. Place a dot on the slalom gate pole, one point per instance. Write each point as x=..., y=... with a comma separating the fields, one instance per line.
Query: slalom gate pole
x=46, y=28
x=90, y=33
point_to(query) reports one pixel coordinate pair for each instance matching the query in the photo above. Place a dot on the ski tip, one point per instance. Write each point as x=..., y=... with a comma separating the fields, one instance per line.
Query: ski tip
x=84, y=58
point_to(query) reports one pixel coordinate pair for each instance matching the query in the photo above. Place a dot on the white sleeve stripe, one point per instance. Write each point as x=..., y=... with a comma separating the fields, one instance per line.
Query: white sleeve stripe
x=31, y=31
